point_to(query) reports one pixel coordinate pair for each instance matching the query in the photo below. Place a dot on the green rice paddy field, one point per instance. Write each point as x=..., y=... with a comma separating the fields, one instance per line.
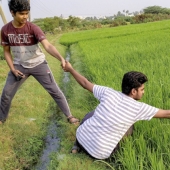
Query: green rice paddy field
x=103, y=56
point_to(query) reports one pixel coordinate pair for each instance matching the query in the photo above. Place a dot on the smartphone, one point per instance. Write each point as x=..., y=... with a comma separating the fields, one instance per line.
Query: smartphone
x=18, y=78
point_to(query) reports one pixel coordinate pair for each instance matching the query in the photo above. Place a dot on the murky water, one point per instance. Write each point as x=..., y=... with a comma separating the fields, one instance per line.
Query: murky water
x=52, y=142
x=66, y=78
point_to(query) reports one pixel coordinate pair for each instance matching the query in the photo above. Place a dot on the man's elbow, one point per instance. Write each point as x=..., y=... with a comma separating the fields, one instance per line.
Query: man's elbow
x=84, y=85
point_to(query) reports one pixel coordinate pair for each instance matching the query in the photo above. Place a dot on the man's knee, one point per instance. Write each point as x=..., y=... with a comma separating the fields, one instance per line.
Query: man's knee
x=129, y=131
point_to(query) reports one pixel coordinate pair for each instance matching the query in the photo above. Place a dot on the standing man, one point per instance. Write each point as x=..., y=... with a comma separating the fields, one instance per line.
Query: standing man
x=24, y=57
x=102, y=129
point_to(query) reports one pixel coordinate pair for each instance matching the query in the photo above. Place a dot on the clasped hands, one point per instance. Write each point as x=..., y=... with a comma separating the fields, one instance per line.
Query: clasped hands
x=66, y=66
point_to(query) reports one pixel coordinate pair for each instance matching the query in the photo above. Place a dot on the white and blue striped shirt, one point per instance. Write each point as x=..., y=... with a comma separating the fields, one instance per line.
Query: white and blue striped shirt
x=115, y=114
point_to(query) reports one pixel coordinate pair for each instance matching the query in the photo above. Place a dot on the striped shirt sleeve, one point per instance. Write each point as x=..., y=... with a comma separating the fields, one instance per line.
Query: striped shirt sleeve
x=98, y=91
x=146, y=112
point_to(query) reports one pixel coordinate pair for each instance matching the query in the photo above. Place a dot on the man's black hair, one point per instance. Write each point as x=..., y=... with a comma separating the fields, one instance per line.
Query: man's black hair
x=132, y=79
x=18, y=5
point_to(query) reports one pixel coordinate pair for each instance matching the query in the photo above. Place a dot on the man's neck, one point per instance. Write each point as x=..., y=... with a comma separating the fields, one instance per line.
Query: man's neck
x=17, y=25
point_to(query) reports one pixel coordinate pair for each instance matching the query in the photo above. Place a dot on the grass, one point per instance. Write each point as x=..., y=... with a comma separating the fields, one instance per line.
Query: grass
x=75, y=37
x=103, y=56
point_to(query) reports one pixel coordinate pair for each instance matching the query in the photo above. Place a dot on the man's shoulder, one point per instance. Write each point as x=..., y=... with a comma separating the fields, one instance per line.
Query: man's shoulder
x=31, y=25
x=104, y=88
x=9, y=24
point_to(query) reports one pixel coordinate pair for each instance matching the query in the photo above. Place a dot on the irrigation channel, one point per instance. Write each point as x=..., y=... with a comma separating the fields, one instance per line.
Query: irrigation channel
x=52, y=142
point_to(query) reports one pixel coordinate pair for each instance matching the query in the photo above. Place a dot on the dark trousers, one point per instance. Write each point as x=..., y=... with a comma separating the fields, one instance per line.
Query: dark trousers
x=44, y=76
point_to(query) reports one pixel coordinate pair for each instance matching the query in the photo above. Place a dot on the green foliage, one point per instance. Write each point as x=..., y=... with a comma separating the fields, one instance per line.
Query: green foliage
x=64, y=25
x=106, y=21
x=60, y=25
x=51, y=24
x=73, y=21
x=118, y=21
x=1, y=54
x=29, y=151
x=149, y=17
x=156, y=10
x=48, y=24
x=54, y=162
x=40, y=23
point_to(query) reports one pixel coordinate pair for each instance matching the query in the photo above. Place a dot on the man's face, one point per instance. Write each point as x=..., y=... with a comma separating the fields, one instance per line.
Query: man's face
x=138, y=93
x=20, y=17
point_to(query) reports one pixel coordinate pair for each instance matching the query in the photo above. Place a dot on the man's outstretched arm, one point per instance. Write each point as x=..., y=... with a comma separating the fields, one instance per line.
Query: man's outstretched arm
x=162, y=114
x=53, y=51
x=78, y=77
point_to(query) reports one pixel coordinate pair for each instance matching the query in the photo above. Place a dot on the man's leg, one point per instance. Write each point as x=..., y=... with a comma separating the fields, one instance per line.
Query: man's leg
x=87, y=116
x=129, y=131
x=44, y=76
x=77, y=147
x=8, y=93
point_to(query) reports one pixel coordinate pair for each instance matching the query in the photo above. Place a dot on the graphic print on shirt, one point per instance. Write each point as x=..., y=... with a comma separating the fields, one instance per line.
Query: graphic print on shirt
x=19, y=39
x=24, y=44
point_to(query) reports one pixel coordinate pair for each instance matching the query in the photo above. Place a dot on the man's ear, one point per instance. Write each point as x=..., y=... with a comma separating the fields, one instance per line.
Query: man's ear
x=133, y=92
x=12, y=13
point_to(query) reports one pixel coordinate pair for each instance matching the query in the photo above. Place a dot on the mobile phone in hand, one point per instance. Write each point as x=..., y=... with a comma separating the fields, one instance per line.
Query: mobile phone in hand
x=18, y=78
